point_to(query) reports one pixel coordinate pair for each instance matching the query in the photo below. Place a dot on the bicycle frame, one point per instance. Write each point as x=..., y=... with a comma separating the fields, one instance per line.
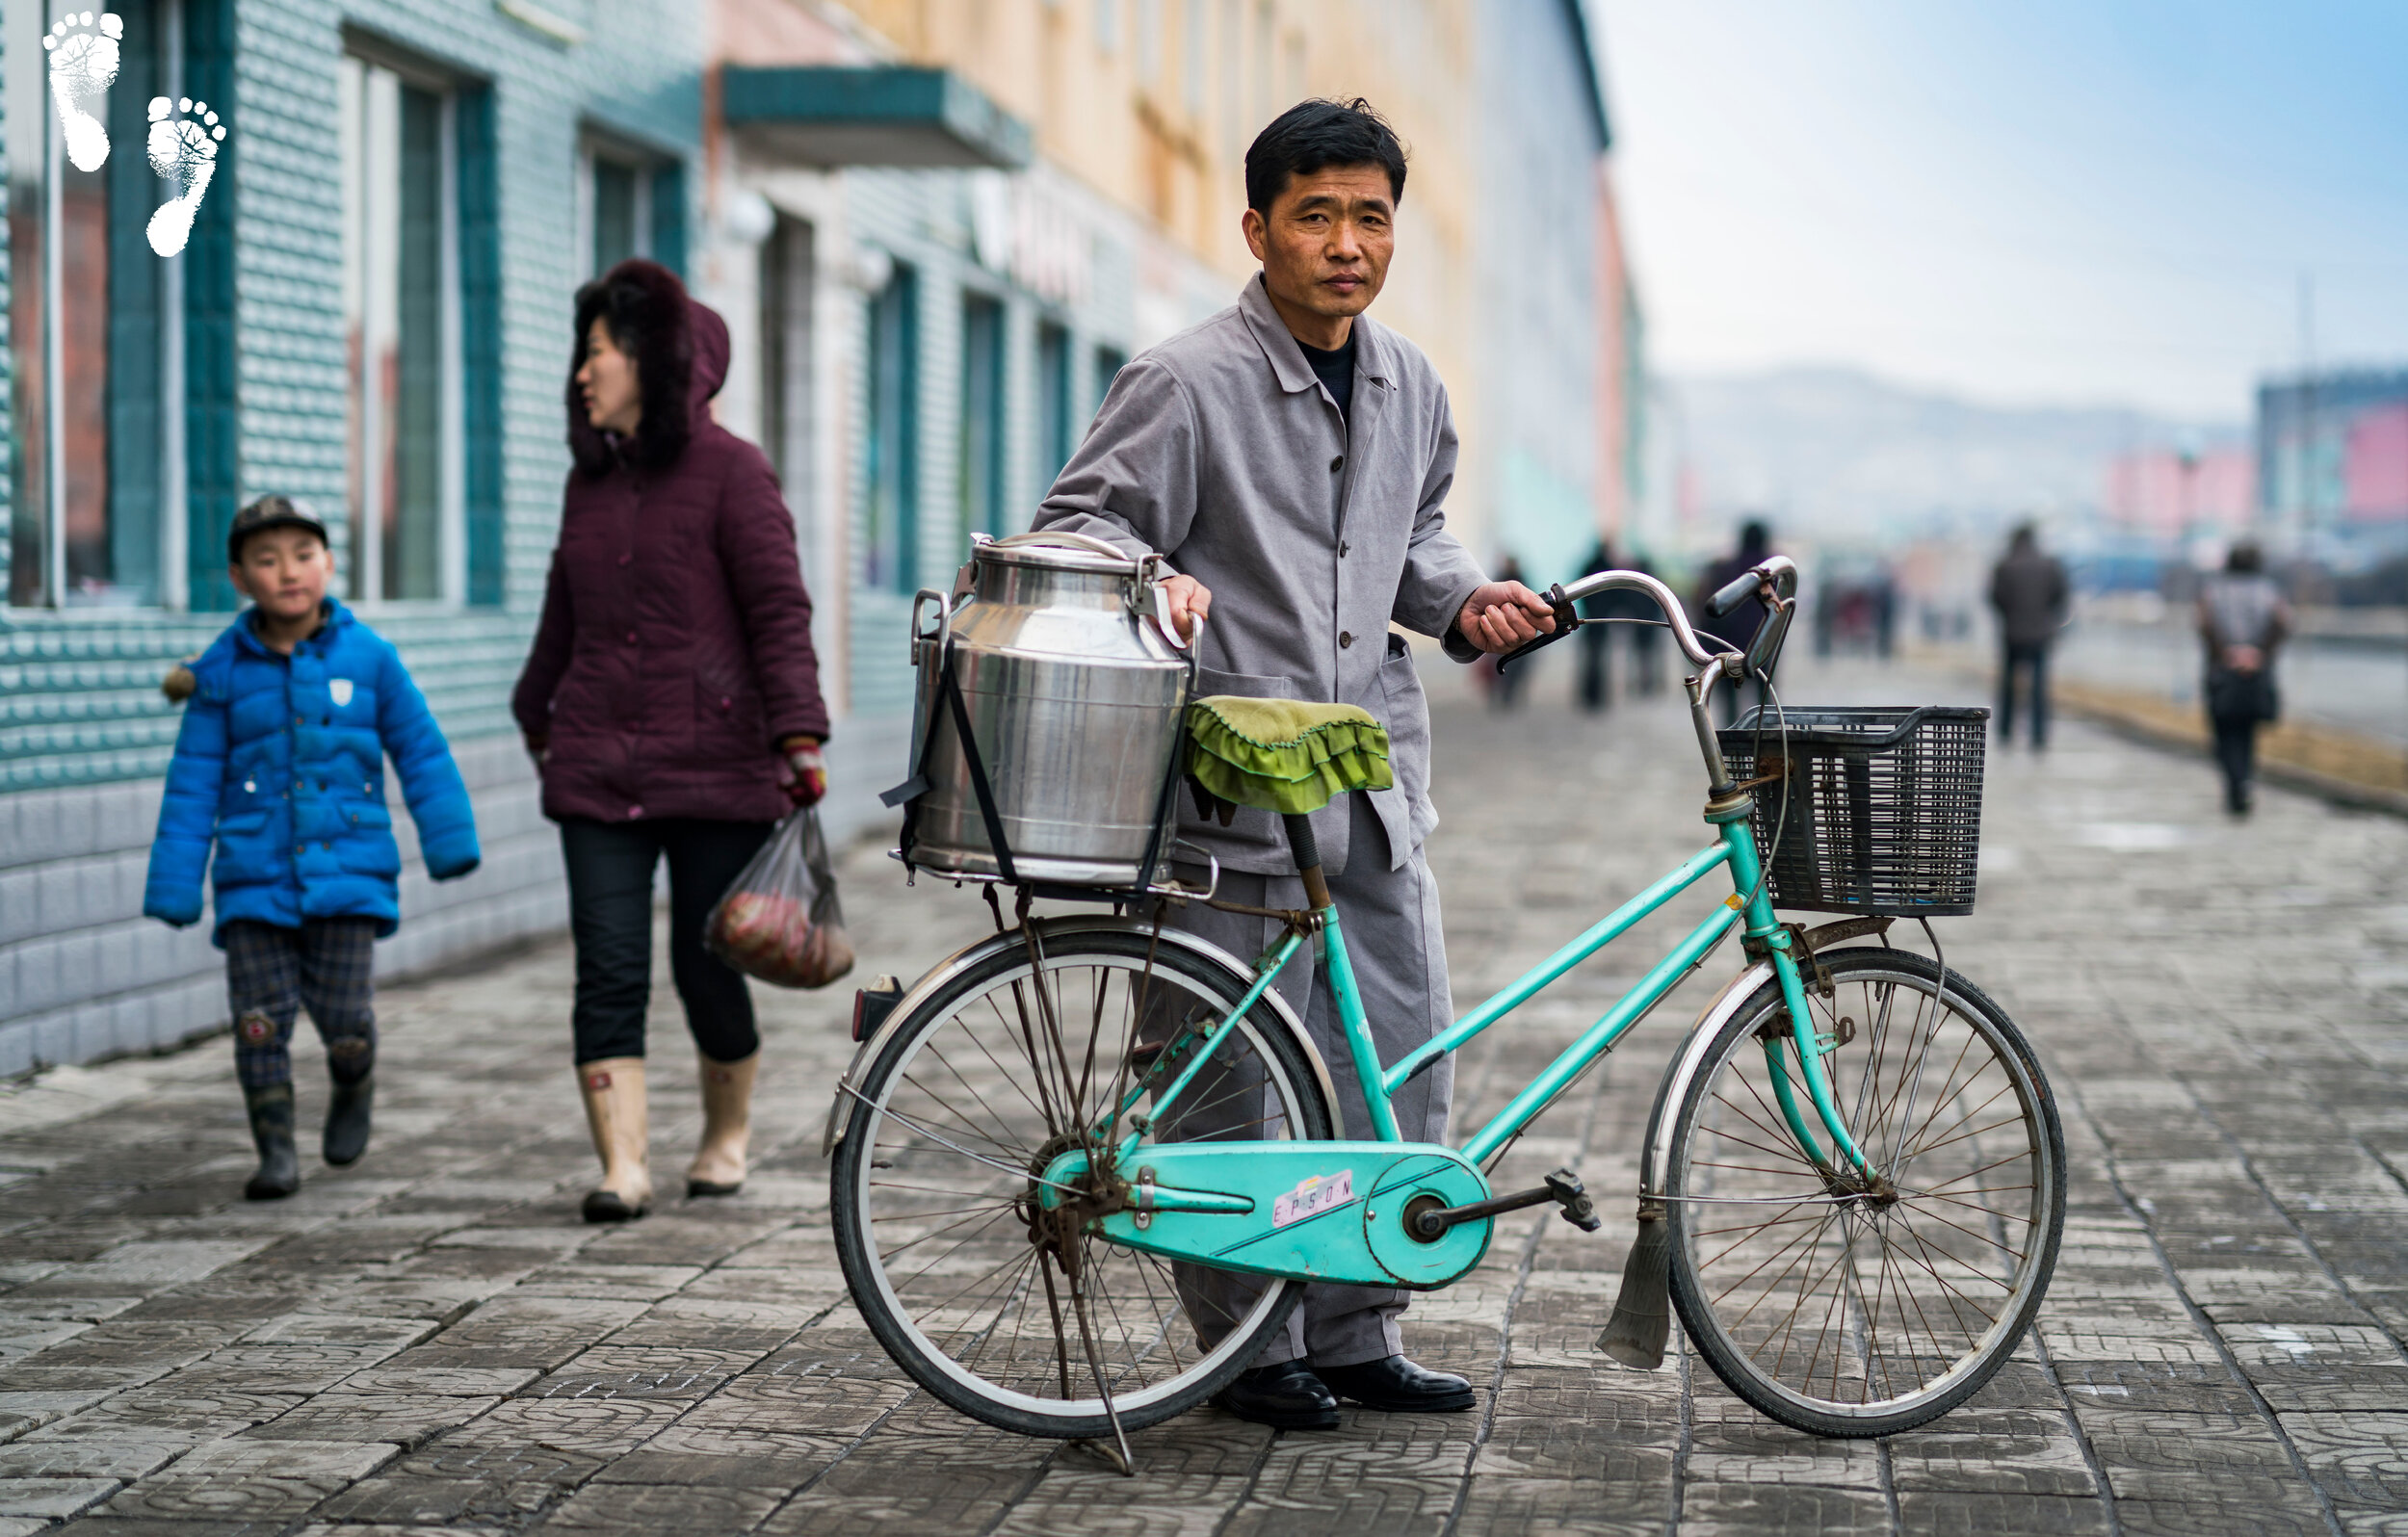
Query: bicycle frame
x=1736, y=848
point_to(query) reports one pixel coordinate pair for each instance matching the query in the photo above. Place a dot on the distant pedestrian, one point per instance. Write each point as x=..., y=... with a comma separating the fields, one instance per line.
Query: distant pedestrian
x=1737, y=628
x=2242, y=619
x=279, y=764
x=1595, y=637
x=2030, y=590
x=671, y=702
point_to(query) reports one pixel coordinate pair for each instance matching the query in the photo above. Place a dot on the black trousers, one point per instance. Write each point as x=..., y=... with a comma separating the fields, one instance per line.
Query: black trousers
x=2236, y=753
x=610, y=914
x=2034, y=658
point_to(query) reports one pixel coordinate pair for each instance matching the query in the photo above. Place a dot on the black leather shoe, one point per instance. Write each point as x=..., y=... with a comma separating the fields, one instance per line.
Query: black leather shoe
x=1287, y=1397
x=1399, y=1387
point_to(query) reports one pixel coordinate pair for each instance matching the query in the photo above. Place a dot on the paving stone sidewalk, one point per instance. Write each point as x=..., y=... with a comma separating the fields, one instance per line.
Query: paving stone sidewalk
x=431, y=1341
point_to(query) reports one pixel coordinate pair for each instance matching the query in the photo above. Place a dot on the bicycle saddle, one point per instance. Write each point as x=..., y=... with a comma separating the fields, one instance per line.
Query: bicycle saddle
x=1281, y=755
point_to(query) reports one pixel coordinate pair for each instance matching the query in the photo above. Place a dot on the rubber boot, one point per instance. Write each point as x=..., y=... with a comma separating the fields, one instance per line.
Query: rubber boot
x=351, y=1062
x=271, y=1131
x=718, y=1165
x=623, y=1135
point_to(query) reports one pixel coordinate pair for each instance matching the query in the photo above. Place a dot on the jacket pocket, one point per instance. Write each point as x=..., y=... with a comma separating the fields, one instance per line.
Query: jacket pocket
x=1211, y=681
x=1407, y=719
x=367, y=847
x=244, y=855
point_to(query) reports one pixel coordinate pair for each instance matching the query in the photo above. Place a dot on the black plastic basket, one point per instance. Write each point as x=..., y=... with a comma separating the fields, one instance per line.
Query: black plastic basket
x=1883, y=806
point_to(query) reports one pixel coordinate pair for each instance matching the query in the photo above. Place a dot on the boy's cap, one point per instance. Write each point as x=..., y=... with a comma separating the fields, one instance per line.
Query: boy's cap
x=269, y=512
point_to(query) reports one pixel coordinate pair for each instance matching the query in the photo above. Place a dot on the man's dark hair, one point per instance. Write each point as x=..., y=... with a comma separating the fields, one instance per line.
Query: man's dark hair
x=2244, y=557
x=1755, y=538
x=1315, y=135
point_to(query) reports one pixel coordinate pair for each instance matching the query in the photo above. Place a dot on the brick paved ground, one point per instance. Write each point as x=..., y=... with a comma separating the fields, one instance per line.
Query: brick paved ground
x=432, y=1341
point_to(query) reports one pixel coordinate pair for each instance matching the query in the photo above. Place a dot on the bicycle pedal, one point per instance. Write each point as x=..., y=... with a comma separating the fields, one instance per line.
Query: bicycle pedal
x=1572, y=1196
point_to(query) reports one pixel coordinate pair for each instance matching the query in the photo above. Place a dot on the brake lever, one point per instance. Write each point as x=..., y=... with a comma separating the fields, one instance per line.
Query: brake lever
x=1567, y=619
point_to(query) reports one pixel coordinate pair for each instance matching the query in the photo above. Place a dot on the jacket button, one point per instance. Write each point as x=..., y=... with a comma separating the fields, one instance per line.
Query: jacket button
x=1337, y=465
x=1343, y=548
x=635, y=811
x=1345, y=638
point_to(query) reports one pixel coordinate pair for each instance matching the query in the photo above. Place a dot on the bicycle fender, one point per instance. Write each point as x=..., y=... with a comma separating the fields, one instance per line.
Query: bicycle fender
x=1327, y=1211
x=840, y=1110
x=1656, y=1152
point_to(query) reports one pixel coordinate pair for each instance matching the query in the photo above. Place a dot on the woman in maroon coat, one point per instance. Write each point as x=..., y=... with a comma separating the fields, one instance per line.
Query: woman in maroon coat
x=671, y=702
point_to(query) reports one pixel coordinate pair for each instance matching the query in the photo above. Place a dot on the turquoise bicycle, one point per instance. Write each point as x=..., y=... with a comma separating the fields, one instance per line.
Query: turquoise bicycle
x=1084, y=1169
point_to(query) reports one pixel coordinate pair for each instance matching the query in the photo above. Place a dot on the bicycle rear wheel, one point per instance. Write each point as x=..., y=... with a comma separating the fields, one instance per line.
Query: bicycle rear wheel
x=962, y=1278
x=1845, y=1309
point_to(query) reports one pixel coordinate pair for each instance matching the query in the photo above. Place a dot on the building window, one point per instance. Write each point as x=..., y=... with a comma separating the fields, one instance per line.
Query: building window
x=1053, y=401
x=1109, y=362
x=631, y=204
x=981, y=473
x=786, y=416
x=891, y=557
x=95, y=319
x=402, y=335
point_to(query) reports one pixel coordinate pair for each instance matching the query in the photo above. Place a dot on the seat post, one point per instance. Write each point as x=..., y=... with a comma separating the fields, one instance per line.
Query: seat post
x=1308, y=858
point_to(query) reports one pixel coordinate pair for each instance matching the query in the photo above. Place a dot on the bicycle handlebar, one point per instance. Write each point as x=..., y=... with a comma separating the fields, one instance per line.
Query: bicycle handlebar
x=1778, y=571
x=1733, y=594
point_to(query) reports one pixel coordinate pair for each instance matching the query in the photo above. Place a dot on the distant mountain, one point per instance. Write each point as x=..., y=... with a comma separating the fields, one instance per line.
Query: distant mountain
x=1839, y=455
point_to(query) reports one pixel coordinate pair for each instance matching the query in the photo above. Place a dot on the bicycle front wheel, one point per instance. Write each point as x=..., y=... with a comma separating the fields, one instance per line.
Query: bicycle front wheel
x=1845, y=1306
x=1003, y=1309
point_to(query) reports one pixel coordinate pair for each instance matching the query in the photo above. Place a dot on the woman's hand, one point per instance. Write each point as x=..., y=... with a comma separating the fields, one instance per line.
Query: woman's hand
x=802, y=773
x=539, y=747
x=1501, y=615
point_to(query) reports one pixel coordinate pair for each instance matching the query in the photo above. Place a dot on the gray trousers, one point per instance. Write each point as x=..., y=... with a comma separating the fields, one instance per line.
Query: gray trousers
x=1398, y=944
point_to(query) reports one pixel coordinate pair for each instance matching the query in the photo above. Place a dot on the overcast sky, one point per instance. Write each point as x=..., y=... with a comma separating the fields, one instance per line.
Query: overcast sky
x=2050, y=201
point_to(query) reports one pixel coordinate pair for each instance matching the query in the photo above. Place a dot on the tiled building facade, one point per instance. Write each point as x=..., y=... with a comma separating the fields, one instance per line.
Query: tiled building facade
x=488, y=125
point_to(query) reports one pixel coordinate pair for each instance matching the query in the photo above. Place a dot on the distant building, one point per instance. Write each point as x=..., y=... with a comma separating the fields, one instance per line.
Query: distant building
x=2169, y=496
x=2332, y=459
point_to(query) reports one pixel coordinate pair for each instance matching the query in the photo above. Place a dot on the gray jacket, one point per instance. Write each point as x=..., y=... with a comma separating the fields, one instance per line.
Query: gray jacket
x=1222, y=450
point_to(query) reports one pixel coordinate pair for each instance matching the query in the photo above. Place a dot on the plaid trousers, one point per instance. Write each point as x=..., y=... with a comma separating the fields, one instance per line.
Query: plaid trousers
x=271, y=971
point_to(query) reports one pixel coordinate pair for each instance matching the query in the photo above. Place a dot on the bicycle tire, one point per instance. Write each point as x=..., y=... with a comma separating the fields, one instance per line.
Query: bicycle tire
x=1915, y=1237
x=889, y=1312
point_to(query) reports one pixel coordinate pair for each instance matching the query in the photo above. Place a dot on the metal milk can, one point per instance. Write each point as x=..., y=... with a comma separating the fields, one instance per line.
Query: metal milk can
x=1076, y=705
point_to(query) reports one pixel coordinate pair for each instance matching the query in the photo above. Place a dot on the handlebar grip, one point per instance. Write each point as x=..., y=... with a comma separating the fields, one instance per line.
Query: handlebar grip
x=1567, y=619
x=1737, y=591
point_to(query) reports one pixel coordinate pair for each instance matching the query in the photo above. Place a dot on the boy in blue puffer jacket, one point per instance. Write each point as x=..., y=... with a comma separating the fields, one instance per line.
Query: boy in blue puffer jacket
x=280, y=764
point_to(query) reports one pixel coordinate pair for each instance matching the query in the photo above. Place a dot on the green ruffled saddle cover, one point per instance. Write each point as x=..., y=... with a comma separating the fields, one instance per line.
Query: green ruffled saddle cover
x=1284, y=755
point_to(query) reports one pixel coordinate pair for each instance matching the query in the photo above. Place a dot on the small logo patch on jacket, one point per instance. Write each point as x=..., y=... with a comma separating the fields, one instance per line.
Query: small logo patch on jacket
x=340, y=690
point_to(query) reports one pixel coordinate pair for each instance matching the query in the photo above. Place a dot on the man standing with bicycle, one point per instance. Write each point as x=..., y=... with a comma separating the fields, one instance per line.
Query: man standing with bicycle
x=1291, y=460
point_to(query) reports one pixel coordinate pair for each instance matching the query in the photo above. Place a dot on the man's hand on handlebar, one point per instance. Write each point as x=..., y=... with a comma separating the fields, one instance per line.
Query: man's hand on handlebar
x=1502, y=616
x=1190, y=604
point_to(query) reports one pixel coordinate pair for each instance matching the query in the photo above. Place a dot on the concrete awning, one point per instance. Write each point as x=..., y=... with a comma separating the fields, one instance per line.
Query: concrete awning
x=883, y=116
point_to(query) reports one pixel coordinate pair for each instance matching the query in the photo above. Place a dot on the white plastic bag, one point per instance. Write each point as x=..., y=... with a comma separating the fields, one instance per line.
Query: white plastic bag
x=780, y=920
